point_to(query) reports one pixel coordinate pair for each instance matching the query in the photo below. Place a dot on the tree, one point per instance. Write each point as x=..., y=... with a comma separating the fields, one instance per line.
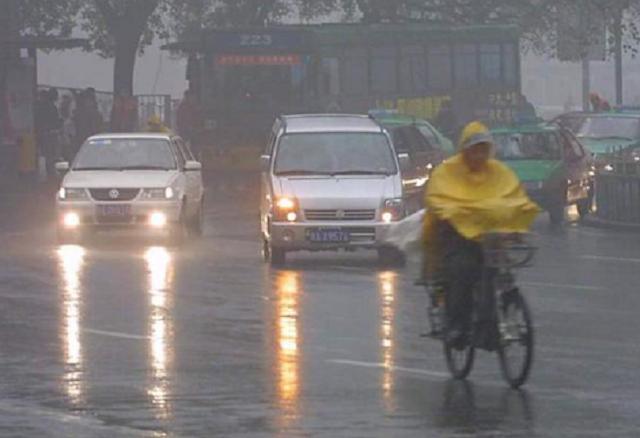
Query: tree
x=119, y=29
x=35, y=18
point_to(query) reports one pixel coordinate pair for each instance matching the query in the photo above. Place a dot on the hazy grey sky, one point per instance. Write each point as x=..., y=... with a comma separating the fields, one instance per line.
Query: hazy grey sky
x=78, y=69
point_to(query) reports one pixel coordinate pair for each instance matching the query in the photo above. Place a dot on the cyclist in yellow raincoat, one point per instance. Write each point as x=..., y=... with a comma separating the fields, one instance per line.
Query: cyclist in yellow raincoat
x=154, y=124
x=469, y=195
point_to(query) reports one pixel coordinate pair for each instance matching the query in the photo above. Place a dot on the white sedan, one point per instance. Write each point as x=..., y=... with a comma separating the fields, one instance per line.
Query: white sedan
x=144, y=181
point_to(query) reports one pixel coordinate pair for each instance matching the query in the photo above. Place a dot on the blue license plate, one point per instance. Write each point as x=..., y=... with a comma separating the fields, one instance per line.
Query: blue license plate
x=114, y=211
x=325, y=235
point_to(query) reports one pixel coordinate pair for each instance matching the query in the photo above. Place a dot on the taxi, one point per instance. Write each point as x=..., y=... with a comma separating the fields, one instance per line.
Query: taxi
x=606, y=133
x=555, y=168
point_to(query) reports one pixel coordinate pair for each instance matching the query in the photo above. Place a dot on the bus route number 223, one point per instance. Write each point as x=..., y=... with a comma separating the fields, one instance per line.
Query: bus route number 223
x=256, y=40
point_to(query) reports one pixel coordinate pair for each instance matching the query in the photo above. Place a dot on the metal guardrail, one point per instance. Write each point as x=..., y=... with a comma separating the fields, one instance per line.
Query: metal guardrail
x=618, y=198
x=160, y=105
x=618, y=189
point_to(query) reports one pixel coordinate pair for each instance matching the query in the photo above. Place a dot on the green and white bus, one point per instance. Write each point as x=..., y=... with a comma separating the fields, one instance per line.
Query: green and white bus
x=246, y=77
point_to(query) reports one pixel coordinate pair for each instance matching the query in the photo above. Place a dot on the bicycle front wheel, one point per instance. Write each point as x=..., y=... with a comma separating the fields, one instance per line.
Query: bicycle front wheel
x=516, y=342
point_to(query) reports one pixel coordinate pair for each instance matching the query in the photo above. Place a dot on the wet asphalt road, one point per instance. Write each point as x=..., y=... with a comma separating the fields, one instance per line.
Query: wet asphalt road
x=124, y=339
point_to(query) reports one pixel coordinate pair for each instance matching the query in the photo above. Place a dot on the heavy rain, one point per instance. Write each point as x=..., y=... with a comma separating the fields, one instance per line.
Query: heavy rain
x=319, y=218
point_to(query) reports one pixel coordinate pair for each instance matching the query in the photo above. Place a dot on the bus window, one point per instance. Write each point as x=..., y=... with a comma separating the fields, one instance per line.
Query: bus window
x=355, y=72
x=330, y=76
x=383, y=69
x=439, y=68
x=490, y=63
x=510, y=62
x=252, y=82
x=466, y=65
x=413, y=70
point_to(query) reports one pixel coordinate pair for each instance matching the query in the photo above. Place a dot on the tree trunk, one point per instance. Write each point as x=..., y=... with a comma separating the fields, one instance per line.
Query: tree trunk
x=126, y=51
x=617, y=31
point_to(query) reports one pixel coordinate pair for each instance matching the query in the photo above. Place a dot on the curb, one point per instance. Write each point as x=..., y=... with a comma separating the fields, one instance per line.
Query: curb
x=596, y=222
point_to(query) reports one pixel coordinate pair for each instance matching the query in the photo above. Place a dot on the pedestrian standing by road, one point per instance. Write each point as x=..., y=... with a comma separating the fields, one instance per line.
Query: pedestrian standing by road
x=87, y=117
x=124, y=113
x=48, y=123
x=525, y=111
x=190, y=122
x=446, y=121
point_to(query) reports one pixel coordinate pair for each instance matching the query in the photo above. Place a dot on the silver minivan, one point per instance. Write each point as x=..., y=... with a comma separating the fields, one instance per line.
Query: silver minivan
x=329, y=182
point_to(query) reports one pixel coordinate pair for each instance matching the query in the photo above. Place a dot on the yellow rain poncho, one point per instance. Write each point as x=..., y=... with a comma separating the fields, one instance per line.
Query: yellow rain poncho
x=476, y=203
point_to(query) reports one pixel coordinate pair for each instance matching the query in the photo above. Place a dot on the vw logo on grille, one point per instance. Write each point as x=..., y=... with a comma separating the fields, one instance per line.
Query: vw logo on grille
x=340, y=214
x=114, y=194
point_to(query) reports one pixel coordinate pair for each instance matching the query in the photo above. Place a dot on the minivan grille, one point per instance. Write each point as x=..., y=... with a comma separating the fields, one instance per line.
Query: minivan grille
x=108, y=194
x=340, y=215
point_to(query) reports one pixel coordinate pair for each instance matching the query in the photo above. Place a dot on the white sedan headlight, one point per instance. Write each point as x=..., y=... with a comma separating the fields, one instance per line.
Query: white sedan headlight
x=67, y=194
x=165, y=193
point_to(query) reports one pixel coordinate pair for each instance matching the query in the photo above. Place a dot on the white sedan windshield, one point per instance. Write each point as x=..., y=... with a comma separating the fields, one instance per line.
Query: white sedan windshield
x=125, y=153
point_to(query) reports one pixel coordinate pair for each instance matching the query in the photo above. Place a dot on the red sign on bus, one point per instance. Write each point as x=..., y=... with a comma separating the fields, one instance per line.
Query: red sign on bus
x=258, y=60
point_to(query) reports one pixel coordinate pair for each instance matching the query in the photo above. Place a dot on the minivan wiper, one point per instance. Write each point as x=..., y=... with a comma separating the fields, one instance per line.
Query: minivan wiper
x=361, y=172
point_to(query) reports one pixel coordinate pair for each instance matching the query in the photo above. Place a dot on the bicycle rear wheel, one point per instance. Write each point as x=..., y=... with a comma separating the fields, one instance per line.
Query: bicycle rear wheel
x=459, y=360
x=516, y=343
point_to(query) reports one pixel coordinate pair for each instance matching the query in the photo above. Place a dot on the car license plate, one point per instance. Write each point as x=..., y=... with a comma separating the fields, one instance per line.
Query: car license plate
x=114, y=211
x=328, y=235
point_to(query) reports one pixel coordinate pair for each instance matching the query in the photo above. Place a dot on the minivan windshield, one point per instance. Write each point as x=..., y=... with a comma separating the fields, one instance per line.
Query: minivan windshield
x=125, y=154
x=335, y=153
x=603, y=127
x=528, y=146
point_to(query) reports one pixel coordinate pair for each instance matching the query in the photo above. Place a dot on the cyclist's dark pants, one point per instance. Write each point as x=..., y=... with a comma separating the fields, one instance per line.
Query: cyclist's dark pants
x=462, y=271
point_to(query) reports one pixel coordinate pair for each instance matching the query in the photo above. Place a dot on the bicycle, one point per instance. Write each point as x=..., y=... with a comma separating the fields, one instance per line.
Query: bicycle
x=511, y=322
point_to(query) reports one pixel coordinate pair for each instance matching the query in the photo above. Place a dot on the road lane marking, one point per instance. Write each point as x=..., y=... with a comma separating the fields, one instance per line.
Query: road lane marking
x=356, y=363
x=116, y=334
x=561, y=286
x=610, y=259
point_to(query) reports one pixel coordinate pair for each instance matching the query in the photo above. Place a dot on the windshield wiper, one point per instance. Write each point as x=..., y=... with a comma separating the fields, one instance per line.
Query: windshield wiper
x=361, y=172
x=96, y=168
x=300, y=172
x=607, y=137
x=143, y=167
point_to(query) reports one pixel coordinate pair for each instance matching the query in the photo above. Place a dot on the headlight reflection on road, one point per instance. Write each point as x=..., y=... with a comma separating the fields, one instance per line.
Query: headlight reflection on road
x=159, y=266
x=288, y=290
x=387, y=290
x=71, y=261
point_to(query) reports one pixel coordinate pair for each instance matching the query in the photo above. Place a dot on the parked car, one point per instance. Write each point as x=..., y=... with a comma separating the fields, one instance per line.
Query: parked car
x=555, y=168
x=147, y=182
x=329, y=182
x=426, y=148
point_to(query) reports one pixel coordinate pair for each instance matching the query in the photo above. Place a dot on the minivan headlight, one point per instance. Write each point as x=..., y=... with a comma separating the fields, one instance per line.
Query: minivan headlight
x=286, y=209
x=393, y=210
x=67, y=194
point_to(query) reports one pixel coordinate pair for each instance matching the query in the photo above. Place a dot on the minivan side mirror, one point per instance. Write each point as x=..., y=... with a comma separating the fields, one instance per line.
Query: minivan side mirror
x=62, y=166
x=265, y=162
x=192, y=166
x=405, y=162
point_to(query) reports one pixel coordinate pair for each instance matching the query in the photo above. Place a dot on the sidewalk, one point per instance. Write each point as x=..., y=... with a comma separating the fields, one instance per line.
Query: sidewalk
x=596, y=222
x=25, y=207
